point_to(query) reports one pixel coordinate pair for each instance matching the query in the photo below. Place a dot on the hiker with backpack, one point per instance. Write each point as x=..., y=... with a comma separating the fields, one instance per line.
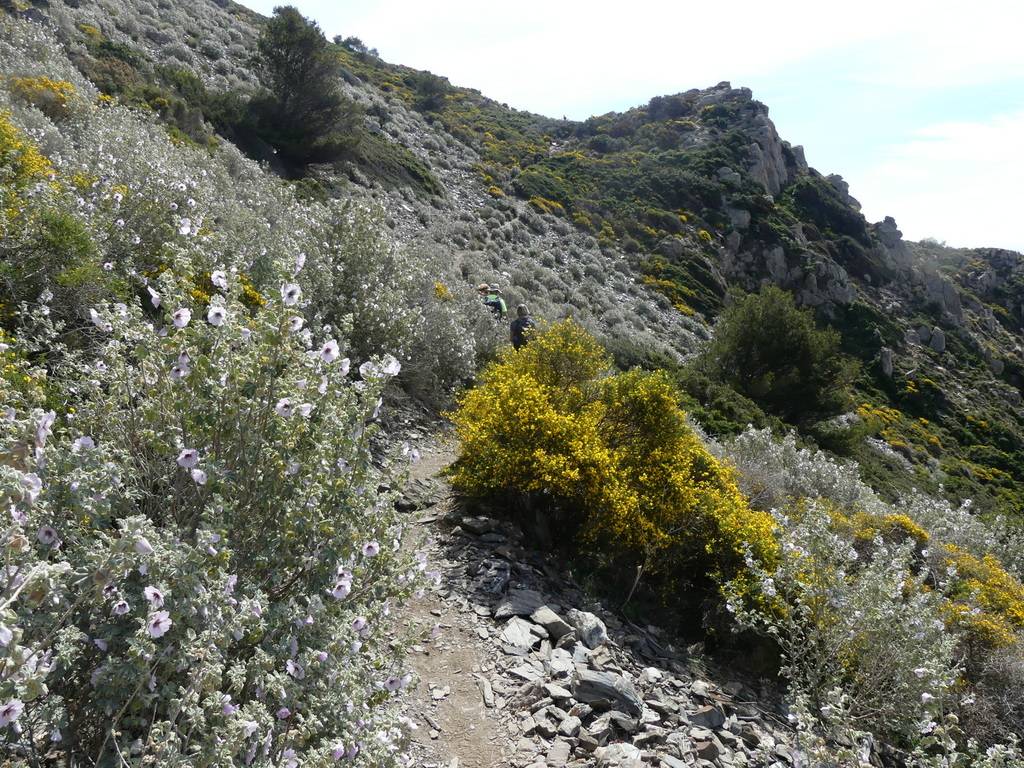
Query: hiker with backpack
x=491, y=294
x=522, y=327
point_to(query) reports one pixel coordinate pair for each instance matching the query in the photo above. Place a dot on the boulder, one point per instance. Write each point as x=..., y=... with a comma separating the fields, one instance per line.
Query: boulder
x=555, y=625
x=938, y=342
x=708, y=716
x=519, y=602
x=617, y=754
x=607, y=689
x=590, y=629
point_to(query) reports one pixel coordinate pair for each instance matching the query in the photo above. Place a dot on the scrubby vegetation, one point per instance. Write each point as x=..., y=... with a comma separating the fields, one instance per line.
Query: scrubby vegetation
x=193, y=367
x=195, y=357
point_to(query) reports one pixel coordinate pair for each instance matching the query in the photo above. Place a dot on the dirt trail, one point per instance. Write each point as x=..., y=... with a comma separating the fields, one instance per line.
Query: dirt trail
x=456, y=728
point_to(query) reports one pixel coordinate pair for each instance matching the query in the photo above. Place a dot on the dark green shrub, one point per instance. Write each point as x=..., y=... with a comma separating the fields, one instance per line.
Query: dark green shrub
x=302, y=114
x=770, y=350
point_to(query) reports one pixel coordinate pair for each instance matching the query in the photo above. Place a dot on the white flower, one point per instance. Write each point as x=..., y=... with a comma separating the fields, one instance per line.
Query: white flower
x=181, y=317
x=300, y=262
x=99, y=322
x=371, y=549
x=369, y=370
x=185, y=226
x=390, y=365
x=179, y=372
x=142, y=546
x=121, y=607
x=217, y=316
x=198, y=476
x=10, y=712
x=921, y=672
x=154, y=297
x=249, y=727
x=284, y=407
x=305, y=410
x=188, y=458
x=158, y=624
x=295, y=324
x=154, y=596
x=345, y=366
x=295, y=670
x=220, y=279
x=6, y=635
x=290, y=294
x=291, y=760
x=330, y=351
x=927, y=698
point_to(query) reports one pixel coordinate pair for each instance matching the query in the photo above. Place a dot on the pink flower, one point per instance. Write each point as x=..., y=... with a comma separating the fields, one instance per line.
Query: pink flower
x=330, y=351
x=121, y=607
x=217, y=316
x=295, y=670
x=188, y=458
x=83, y=443
x=142, y=546
x=359, y=623
x=341, y=590
x=198, y=476
x=371, y=549
x=10, y=712
x=33, y=486
x=158, y=624
x=284, y=713
x=154, y=596
x=338, y=751
x=47, y=536
x=181, y=317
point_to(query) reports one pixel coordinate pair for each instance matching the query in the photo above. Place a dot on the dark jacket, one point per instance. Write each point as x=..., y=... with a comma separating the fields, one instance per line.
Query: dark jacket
x=520, y=331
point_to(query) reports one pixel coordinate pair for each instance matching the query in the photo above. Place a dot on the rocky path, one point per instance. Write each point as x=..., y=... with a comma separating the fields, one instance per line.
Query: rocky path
x=513, y=671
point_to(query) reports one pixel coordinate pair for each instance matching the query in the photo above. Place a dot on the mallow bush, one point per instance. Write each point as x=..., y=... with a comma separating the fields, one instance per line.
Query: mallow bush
x=199, y=566
x=897, y=621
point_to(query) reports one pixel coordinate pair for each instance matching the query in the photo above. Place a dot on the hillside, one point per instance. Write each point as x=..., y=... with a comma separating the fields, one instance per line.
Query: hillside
x=218, y=327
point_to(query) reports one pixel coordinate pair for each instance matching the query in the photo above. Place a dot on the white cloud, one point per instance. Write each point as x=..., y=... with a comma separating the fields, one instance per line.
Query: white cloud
x=955, y=181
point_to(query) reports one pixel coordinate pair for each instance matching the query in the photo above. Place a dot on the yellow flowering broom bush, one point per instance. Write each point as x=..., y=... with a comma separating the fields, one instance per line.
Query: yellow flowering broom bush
x=609, y=455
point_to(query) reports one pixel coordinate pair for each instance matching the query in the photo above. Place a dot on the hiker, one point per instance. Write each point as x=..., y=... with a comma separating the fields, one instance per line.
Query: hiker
x=522, y=327
x=491, y=294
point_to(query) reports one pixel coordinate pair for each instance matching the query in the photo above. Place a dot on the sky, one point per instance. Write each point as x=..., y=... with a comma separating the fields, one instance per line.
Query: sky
x=918, y=105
